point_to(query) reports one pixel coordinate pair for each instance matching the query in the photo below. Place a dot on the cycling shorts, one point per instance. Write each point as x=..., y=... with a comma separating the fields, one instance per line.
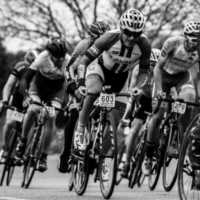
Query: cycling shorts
x=54, y=97
x=180, y=81
x=146, y=106
x=17, y=101
x=97, y=71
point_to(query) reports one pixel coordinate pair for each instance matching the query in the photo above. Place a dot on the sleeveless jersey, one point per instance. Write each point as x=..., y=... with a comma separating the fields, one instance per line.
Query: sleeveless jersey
x=176, y=58
x=117, y=57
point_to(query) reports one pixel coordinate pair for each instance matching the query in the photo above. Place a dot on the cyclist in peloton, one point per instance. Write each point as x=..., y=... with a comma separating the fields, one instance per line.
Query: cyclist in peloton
x=11, y=90
x=46, y=77
x=95, y=30
x=117, y=51
x=178, y=54
x=140, y=116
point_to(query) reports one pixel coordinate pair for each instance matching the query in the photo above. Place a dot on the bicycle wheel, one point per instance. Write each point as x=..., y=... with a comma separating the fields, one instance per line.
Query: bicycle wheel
x=186, y=173
x=157, y=160
x=139, y=157
x=9, y=164
x=32, y=155
x=81, y=173
x=70, y=183
x=108, y=157
x=141, y=178
x=120, y=162
x=170, y=163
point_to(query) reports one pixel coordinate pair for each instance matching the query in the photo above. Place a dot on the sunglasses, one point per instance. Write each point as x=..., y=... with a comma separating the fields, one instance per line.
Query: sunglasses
x=192, y=39
x=130, y=33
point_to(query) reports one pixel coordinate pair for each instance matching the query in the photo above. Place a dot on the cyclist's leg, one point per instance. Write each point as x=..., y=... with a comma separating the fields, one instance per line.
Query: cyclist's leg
x=9, y=123
x=186, y=91
x=28, y=121
x=133, y=137
x=153, y=131
x=94, y=84
x=68, y=135
x=55, y=98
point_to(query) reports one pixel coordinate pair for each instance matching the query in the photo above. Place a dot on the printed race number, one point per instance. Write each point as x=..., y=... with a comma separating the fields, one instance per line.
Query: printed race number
x=107, y=100
x=17, y=116
x=179, y=107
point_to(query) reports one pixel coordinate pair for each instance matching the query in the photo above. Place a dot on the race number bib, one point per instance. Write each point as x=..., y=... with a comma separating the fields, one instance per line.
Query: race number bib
x=17, y=116
x=107, y=100
x=179, y=107
x=51, y=111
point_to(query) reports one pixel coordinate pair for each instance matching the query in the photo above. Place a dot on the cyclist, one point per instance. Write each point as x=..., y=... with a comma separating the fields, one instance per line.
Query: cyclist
x=46, y=77
x=11, y=90
x=177, y=56
x=140, y=116
x=95, y=30
x=117, y=52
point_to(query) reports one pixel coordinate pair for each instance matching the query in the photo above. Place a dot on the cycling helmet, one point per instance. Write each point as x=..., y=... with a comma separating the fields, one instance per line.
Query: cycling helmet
x=155, y=53
x=191, y=28
x=98, y=28
x=57, y=47
x=30, y=56
x=132, y=20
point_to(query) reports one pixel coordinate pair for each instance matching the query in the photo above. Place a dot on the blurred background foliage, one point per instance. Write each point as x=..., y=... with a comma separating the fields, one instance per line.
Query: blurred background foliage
x=32, y=22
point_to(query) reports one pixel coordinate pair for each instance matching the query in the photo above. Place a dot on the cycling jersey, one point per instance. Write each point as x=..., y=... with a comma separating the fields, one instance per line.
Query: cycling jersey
x=115, y=56
x=19, y=70
x=47, y=69
x=176, y=58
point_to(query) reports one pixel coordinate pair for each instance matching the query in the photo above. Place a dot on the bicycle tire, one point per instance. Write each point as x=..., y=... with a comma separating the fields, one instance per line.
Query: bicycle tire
x=31, y=161
x=181, y=192
x=70, y=181
x=81, y=169
x=139, y=156
x=122, y=149
x=9, y=165
x=167, y=183
x=107, y=192
x=141, y=178
x=160, y=149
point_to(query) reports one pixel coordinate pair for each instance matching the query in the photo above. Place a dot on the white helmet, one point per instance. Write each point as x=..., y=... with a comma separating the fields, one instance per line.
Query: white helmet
x=155, y=53
x=30, y=56
x=191, y=28
x=133, y=20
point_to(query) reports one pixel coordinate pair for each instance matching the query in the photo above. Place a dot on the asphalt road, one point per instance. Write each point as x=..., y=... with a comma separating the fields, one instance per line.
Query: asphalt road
x=53, y=185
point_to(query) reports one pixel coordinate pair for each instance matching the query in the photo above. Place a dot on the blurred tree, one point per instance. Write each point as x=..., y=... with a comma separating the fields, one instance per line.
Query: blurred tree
x=36, y=20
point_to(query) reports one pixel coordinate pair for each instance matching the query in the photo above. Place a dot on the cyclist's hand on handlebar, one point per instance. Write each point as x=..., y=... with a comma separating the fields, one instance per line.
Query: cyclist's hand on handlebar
x=27, y=101
x=160, y=95
x=71, y=88
x=81, y=91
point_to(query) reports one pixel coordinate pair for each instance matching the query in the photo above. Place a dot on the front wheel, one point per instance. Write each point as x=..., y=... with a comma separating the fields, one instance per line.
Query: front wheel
x=186, y=173
x=108, y=157
x=9, y=163
x=32, y=155
x=170, y=163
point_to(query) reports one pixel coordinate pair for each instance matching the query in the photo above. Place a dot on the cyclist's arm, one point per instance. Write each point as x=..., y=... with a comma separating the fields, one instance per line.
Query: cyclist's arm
x=134, y=76
x=168, y=46
x=144, y=61
x=9, y=86
x=78, y=53
x=26, y=80
x=157, y=73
